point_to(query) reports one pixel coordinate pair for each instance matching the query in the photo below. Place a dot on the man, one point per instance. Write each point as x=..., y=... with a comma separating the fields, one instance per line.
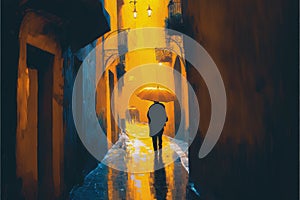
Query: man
x=157, y=119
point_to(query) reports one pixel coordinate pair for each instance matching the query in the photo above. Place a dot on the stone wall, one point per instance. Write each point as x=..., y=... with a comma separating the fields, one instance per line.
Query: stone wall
x=255, y=46
x=31, y=131
x=45, y=31
x=10, y=187
x=77, y=160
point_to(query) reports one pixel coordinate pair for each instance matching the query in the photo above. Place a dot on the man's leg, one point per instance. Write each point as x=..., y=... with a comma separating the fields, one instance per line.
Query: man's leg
x=154, y=142
x=160, y=139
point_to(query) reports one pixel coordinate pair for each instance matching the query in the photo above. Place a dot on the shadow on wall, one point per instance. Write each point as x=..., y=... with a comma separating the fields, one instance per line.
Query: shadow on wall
x=252, y=43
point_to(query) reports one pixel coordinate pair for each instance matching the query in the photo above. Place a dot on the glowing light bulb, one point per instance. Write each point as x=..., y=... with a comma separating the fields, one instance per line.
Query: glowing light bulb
x=149, y=10
x=134, y=13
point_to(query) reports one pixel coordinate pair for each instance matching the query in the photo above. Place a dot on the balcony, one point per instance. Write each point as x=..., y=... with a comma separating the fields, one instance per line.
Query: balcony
x=174, y=20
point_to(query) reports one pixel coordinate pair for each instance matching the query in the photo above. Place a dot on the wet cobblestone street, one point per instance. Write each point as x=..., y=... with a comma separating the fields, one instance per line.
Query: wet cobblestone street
x=107, y=183
x=169, y=182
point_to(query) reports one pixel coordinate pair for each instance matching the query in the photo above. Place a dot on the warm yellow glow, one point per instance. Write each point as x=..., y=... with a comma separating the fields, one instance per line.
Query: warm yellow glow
x=138, y=15
x=134, y=13
x=149, y=11
x=131, y=15
x=144, y=185
x=158, y=12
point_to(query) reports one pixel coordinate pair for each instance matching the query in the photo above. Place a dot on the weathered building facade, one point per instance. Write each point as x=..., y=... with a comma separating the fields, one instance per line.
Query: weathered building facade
x=255, y=46
x=43, y=155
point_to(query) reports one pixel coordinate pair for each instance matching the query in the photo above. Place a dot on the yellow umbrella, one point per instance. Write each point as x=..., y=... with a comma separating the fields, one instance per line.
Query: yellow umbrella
x=156, y=94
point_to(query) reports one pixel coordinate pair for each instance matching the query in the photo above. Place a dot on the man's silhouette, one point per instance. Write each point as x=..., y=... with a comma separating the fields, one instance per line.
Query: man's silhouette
x=157, y=119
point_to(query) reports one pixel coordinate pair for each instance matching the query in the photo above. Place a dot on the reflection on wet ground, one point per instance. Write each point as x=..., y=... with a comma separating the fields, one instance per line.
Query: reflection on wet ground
x=137, y=154
x=168, y=182
x=107, y=183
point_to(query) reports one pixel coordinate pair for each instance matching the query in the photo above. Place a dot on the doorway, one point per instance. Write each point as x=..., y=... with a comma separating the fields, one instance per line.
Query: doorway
x=111, y=78
x=42, y=62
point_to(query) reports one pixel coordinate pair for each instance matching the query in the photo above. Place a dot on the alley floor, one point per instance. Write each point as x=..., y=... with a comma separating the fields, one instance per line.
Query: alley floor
x=128, y=172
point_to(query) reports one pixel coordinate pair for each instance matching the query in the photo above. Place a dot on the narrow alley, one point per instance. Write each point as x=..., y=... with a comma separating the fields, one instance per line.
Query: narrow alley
x=150, y=100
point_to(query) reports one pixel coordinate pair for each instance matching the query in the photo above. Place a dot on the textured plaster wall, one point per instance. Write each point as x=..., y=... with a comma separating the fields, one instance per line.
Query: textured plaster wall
x=254, y=44
x=26, y=142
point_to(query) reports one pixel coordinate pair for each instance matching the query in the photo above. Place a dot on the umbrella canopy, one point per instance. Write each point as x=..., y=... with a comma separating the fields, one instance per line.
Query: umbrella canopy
x=156, y=94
